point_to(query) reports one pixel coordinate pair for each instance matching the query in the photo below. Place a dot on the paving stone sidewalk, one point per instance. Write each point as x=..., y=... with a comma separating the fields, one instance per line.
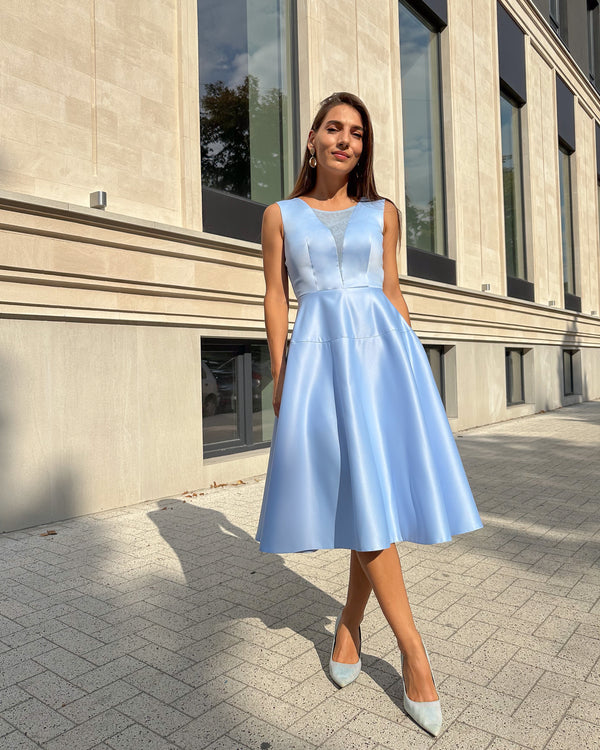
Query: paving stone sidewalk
x=161, y=626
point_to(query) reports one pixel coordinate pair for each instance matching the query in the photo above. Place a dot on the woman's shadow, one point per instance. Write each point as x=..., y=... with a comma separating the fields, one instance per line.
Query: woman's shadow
x=230, y=580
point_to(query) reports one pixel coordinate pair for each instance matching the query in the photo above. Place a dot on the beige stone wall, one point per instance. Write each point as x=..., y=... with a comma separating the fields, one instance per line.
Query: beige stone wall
x=95, y=97
x=102, y=313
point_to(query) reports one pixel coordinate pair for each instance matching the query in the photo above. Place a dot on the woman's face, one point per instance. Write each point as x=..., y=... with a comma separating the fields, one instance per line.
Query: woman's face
x=338, y=142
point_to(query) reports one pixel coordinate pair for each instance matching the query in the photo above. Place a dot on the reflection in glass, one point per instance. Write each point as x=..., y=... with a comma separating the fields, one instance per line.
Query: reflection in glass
x=512, y=178
x=422, y=125
x=245, y=119
x=262, y=394
x=435, y=355
x=515, y=390
x=566, y=221
x=568, y=372
x=219, y=396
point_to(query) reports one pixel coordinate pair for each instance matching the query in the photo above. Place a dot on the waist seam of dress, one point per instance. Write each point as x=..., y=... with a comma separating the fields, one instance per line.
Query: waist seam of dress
x=350, y=338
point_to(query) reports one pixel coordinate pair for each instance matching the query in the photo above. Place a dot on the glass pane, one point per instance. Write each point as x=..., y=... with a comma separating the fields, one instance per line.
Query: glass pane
x=514, y=376
x=513, y=196
x=566, y=221
x=245, y=122
x=219, y=395
x=262, y=394
x=568, y=371
x=598, y=194
x=422, y=125
x=435, y=357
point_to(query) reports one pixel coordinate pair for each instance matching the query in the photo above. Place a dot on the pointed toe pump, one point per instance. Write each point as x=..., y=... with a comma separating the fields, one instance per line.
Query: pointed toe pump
x=343, y=674
x=427, y=714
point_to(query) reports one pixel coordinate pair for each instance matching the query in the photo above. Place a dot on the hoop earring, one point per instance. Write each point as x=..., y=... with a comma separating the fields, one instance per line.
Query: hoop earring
x=312, y=161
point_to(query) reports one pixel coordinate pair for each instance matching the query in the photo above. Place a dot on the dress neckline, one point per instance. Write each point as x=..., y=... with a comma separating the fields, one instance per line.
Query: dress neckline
x=325, y=211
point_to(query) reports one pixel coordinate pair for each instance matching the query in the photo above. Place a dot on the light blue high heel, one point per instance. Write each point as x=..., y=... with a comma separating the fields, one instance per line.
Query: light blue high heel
x=428, y=714
x=344, y=674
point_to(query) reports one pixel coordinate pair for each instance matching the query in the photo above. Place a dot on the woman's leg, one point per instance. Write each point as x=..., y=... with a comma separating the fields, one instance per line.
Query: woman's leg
x=383, y=571
x=359, y=590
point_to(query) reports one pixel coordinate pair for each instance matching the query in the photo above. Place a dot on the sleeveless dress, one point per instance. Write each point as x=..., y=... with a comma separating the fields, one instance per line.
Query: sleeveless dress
x=362, y=454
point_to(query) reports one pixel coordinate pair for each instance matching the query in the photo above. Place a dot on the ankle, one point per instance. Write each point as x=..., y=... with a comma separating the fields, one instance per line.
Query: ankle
x=410, y=643
x=350, y=619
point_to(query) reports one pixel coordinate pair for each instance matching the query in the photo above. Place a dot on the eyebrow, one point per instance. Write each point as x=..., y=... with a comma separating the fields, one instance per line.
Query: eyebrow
x=337, y=122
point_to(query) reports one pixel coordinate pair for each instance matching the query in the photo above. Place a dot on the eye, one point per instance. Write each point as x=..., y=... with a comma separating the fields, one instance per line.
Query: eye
x=358, y=135
x=331, y=129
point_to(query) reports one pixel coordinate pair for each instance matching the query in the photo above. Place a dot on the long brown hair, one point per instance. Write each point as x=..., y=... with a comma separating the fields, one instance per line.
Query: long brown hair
x=361, y=182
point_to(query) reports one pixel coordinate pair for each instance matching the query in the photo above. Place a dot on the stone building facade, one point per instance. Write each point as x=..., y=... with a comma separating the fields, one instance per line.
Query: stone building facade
x=139, y=144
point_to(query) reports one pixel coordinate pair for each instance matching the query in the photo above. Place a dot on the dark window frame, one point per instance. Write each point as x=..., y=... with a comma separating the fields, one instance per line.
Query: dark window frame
x=521, y=288
x=423, y=263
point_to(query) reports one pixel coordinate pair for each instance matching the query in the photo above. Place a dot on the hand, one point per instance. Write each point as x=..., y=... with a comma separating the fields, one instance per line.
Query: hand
x=277, y=391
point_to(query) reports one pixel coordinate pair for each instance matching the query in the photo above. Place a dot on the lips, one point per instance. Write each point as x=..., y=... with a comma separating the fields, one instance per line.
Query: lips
x=340, y=153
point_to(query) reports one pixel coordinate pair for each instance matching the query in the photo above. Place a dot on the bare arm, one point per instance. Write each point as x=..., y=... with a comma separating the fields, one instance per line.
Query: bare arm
x=391, y=235
x=276, y=302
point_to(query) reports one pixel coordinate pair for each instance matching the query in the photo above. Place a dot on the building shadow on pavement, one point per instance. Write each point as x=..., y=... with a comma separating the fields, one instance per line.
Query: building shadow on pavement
x=239, y=591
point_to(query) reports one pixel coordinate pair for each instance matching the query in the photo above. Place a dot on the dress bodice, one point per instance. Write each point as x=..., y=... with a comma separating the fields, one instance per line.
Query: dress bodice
x=311, y=255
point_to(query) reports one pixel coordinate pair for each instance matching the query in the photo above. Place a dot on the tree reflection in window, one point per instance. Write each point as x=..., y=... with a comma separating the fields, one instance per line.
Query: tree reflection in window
x=245, y=103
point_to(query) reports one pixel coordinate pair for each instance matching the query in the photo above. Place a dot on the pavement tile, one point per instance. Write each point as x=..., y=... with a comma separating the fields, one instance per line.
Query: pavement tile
x=227, y=743
x=459, y=736
x=574, y=733
x=18, y=741
x=216, y=722
x=158, y=684
x=100, y=676
x=256, y=733
x=522, y=731
x=319, y=724
x=153, y=714
x=403, y=733
x=36, y=720
x=543, y=707
x=51, y=689
x=136, y=737
x=98, y=701
x=94, y=730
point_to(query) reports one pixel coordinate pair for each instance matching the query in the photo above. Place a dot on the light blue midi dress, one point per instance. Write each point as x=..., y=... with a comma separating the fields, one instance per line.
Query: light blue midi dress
x=362, y=454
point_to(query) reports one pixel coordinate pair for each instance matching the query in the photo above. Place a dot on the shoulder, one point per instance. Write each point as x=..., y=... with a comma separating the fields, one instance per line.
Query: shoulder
x=272, y=220
x=392, y=215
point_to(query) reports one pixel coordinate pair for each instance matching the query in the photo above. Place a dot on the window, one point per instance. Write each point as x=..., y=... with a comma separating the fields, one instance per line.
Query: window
x=593, y=16
x=591, y=46
x=435, y=355
x=558, y=18
x=512, y=178
x=237, y=395
x=566, y=221
x=554, y=14
x=423, y=147
x=515, y=380
x=247, y=63
x=568, y=372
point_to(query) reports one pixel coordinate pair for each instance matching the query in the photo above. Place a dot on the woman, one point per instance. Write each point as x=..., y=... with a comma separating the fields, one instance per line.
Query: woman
x=362, y=454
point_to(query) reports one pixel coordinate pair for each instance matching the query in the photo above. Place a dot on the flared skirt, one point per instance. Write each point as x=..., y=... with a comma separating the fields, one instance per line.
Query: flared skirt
x=362, y=453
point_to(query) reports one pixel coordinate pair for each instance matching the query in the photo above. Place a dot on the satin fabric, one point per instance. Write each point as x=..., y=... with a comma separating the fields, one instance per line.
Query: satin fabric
x=362, y=454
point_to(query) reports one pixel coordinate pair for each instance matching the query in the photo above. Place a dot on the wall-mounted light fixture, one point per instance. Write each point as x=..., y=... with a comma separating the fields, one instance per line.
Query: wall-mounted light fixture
x=552, y=303
x=486, y=287
x=98, y=199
